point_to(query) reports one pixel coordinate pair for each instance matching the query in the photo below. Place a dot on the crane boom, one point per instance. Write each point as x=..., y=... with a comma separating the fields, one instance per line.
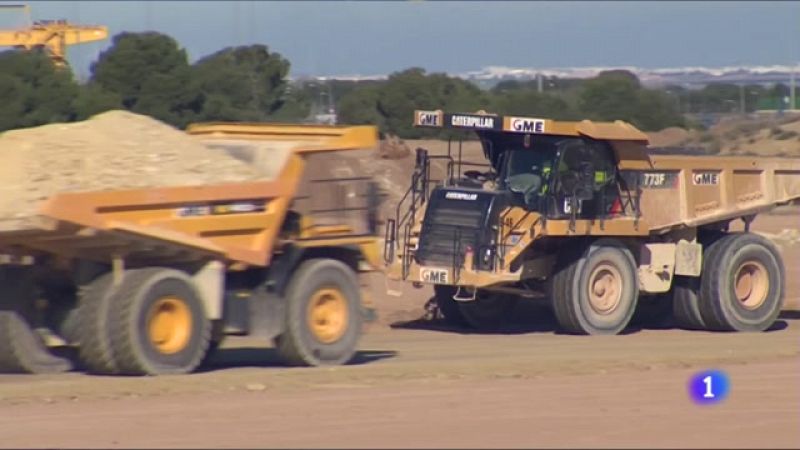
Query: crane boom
x=53, y=35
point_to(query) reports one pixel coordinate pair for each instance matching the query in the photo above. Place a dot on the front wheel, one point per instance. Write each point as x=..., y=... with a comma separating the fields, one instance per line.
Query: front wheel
x=595, y=291
x=443, y=295
x=488, y=312
x=323, y=315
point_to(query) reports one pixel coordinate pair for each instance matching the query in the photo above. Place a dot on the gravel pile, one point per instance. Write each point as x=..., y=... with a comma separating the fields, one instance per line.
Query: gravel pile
x=113, y=150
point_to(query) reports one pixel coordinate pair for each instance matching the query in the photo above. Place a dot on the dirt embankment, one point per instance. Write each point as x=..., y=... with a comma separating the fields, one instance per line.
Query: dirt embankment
x=760, y=136
x=113, y=150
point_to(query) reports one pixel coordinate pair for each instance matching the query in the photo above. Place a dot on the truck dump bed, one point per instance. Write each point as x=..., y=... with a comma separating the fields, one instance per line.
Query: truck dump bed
x=235, y=222
x=693, y=190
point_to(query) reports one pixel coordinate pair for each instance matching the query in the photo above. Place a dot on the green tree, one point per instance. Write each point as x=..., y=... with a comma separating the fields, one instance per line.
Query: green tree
x=359, y=107
x=528, y=102
x=655, y=110
x=618, y=95
x=151, y=75
x=14, y=93
x=413, y=89
x=93, y=99
x=241, y=83
x=609, y=98
x=296, y=105
x=34, y=91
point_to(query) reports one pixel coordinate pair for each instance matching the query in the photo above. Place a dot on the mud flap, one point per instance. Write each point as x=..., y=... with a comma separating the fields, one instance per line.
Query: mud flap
x=267, y=318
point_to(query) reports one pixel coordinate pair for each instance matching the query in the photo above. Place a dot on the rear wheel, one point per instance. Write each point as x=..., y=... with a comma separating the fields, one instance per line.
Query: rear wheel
x=22, y=349
x=742, y=286
x=158, y=324
x=323, y=315
x=94, y=342
x=489, y=311
x=443, y=294
x=596, y=291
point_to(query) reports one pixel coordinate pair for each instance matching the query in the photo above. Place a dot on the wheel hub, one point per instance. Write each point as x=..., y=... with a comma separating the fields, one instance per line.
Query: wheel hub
x=605, y=288
x=751, y=284
x=327, y=315
x=169, y=325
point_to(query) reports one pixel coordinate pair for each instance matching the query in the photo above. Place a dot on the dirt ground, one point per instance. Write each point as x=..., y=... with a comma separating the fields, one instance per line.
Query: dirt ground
x=418, y=383
x=422, y=386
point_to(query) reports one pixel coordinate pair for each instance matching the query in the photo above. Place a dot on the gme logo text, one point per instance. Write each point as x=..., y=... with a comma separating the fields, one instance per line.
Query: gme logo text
x=525, y=125
x=430, y=119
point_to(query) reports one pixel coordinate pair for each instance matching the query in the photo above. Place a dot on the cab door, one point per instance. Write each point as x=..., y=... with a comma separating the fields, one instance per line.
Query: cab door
x=585, y=180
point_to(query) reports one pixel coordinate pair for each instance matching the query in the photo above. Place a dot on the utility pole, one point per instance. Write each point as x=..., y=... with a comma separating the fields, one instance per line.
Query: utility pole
x=539, y=82
x=791, y=90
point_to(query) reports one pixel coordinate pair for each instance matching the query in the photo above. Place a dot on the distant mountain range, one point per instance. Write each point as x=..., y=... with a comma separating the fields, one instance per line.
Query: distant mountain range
x=684, y=76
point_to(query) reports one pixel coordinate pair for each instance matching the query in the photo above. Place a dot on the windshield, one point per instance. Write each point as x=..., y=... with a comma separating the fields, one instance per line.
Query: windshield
x=527, y=170
x=529, y=161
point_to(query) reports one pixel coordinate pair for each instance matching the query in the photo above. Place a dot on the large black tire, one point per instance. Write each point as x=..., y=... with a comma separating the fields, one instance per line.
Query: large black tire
x=488, y=312
x=145, y=297
x=612, y=270
x=21, y=348
x=686, y=290
x=217, y=337
x=443, y=295
x=315, y=282
x=94, y=341
x=742, y=286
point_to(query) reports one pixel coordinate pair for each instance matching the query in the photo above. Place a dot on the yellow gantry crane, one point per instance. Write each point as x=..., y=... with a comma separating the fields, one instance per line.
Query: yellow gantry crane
x=52, y=35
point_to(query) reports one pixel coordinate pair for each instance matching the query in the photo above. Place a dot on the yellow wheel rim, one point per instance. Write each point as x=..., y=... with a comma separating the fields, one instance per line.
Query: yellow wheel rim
x=327, y=315
x=169, y=325
x=605, y=288
x=751, y=284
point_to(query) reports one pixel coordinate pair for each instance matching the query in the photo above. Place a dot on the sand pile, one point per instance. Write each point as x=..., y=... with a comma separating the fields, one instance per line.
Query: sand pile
x=113, y=150
x=668, y=137
x=393, y=148
x=266, y=158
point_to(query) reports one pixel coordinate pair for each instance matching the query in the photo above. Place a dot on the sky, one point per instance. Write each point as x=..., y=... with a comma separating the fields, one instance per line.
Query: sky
x=372, y=38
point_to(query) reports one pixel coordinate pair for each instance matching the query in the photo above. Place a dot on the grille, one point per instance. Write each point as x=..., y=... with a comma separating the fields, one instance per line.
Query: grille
x=451, y=226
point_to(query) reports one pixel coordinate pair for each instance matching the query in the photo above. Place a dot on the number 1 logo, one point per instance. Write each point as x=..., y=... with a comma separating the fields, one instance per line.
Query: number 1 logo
x=709, y=387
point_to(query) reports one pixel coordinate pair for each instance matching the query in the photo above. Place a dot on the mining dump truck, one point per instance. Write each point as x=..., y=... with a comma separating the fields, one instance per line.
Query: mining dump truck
x=581, y=213
x=149, y=281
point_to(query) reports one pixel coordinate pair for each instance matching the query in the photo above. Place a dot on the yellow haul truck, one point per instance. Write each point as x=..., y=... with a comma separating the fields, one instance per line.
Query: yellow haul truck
x=581, y=213
x=148, y=281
